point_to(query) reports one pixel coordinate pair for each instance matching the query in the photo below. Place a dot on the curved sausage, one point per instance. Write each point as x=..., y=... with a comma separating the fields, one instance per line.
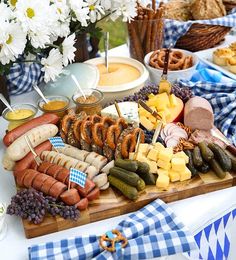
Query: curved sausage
x=57, y=189
x=12, y=135
x=29, y=177
x=70, y=197
x=39, y=180
x=82, y=204
x=44, y=166
x=89, y=185
x=48, y=184
x=26, y=162
x=94, y=194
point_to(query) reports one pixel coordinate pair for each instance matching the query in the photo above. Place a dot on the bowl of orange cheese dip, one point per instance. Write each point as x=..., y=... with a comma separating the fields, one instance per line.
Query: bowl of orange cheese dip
x=124, y=76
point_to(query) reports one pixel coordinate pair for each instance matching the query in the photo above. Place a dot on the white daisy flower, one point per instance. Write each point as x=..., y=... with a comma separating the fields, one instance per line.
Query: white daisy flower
x=52, y=65
x=96, y=10
x=12, y=42
x=125, y=9
x=12, y=3
x=6, y=13
x=68, y=49
x=81, y=10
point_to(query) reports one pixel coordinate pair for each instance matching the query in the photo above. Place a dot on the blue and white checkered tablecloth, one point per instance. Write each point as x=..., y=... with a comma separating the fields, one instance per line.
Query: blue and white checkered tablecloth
x=153, y=231
x=220, y=91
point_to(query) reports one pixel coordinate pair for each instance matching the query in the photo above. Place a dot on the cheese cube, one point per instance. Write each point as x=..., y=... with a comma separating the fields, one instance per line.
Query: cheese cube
x=167, y=114
x=151, y=95
x=152, y=102
x=182, y=155
x=162, y=101
x=161, y=171
x=131, y=156
x=153, y=108
x=185, y=175
x=163, y=164
x=165, y=154
x=152, y=118
x=162, y=181
x=158, y=146
x=146, y=123
x=152, y=155
x=174, y=176
x=178, y=164
x=143, y=112
x=153, y=166
x=140, y=157
x=163, y=115
x=143, y=148
x=173, y=100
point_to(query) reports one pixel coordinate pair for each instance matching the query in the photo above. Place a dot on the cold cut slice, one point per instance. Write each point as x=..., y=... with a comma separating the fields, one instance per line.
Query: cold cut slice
x=44, y=166
x=12, y=135
x=198, y=114
x=48, y=184
x=29, y=177
x=82, y=204
x=26, y=162
x=57, y=189
x=70, y=197
x=19, y=148
x=39, y=180
x=94, y=194
x=89, y=185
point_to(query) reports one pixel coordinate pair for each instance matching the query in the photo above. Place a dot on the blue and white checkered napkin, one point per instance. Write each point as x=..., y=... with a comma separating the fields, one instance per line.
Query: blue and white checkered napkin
x=220, y=91
x=56, y=142
x=78, y=177
x=153, y=231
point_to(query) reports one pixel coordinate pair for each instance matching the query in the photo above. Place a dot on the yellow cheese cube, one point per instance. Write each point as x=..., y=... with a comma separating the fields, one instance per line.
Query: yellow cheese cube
x=167, y=113
x=165, y=154
x=162, y=181
x=185, y=175
x=143, y=148
x=153, y=108
x=182, y=155
x=152, y=155
x=152, y=102
x=178, y=164
x=174, y=176
x=140, y=156
x=152, y=118
x=161, y=171
x=173, y=100
x=143, y=112
x=163, y=116
x=153, y=166
x=163, y=164
x=146, y=123
x=131, y=156
x=151, y=95
x=159, y=146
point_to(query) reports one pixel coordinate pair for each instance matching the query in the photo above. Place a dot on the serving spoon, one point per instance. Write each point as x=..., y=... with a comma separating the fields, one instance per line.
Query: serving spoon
x=106, y=47
x=37, y=89
x=78, y=86
x=5, y=102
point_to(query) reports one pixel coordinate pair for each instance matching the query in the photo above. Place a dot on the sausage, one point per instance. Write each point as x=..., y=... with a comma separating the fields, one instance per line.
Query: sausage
x=57, y=189
x=19, y=148
x=12, y=135
x=198, y=114
x=72, y=184
x=44, y=166
x=70, y=197
x=29, y=177
x=48, y=184
x=33, y=165
x=63, y=175
x=89, y=185
x=7, y=163
x=26, y=162
x=20, y=175
x=82, y=204
x=54, y=170
x=39, y=180
x=94, y=194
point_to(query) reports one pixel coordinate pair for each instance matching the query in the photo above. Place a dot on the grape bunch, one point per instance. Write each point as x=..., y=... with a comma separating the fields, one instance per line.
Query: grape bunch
x=183, y=93
x=149, y=136
x=28, y=204
x=33, y=205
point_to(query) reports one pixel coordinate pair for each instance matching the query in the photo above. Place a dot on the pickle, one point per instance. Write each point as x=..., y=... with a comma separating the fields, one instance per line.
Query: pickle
x=197, y=157
x=190, y=164
x=215, y=166
x=233, y=160
x=204, y=168
x=221, y=156
x=141, y=185
x=128, y=177
x=127, y=190
x=143, y=167
x=206, y=152
x=128, y=165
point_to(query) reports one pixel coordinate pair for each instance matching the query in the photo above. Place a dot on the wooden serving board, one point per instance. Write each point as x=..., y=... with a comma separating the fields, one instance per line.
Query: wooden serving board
x=112, y=203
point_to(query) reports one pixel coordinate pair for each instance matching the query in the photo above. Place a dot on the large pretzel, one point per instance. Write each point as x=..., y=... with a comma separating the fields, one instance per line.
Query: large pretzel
x=104, y=240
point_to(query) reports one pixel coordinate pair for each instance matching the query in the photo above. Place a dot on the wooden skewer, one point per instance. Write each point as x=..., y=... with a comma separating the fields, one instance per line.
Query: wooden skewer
x=118, y=109
x=154, y=5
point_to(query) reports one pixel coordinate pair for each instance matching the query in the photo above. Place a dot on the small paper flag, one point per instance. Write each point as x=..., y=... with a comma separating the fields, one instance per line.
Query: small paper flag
x=78, y=177
x=57, y=142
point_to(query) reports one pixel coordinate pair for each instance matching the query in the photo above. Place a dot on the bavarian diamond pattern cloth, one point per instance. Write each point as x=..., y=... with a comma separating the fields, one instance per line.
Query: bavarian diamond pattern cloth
x=220, y=91
x=152, y=231
x=56, y=142
x=78, y=177
x=214, y=240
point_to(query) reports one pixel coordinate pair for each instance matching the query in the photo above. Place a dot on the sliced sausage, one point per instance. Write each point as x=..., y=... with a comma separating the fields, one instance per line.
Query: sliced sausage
x=48, y=184
x=89, y=185
x=57, y=189
x=82, y=204
x=72, y=184
x=70, y=197
x=62, y=175
x=44, y=166
x=28, y=179
x=94, y=194
x=20, y=175
x=26, y=162
x=54, y=170
x=39, y=180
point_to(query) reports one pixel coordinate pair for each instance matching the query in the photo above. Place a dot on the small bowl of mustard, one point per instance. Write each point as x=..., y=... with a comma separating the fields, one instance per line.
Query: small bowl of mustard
x=92, y=104
x=56, y=105
x=21, y=113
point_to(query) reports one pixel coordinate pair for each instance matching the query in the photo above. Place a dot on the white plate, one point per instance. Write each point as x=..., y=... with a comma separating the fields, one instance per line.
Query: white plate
x=206, y=57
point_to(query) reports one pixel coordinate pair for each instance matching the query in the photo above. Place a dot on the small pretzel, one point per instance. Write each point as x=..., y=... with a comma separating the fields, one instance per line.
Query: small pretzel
x=119, y=238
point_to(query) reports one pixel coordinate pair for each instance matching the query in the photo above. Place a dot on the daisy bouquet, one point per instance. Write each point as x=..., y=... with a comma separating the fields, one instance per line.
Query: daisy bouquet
x=44, y=32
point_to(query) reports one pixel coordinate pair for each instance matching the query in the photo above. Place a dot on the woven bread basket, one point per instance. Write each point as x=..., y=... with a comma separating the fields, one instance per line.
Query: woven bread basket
x=202, y=36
